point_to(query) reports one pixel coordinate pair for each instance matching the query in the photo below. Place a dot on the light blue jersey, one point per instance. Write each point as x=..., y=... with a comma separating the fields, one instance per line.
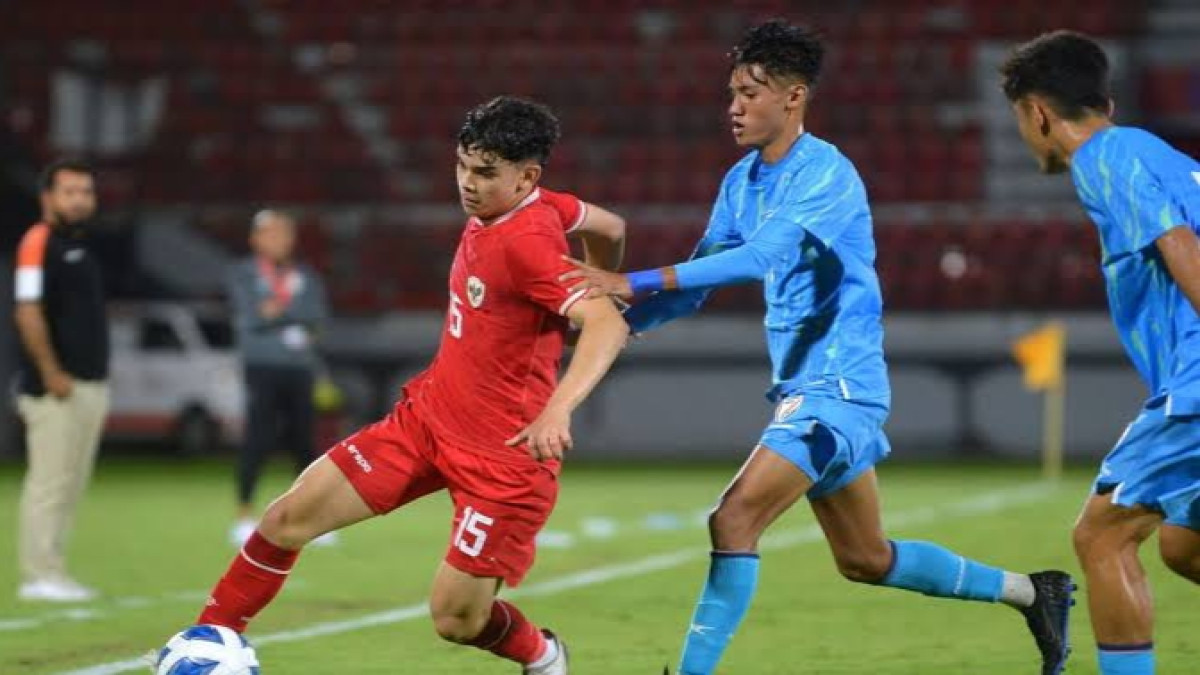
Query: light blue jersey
x=802, y=226
x=1136, y=187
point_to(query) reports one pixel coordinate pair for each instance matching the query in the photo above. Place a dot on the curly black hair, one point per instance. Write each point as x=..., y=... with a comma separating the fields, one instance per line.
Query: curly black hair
x=1068, y=68
x=782, y=49
x=511, y=128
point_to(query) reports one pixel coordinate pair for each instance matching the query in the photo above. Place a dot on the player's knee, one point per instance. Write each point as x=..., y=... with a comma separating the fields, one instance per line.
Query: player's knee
x=459, y=627
x=1090, y=541
x=732, y=526
x=864, y=566
x=284, y=527
x=1095, y=543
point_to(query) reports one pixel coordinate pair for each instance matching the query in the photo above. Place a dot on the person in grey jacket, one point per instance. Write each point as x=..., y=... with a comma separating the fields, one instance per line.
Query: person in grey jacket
x=279, y=307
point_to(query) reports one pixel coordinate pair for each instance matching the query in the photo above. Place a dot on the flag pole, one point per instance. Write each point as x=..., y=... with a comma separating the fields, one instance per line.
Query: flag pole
x=1053, y=421
x=1054, y=413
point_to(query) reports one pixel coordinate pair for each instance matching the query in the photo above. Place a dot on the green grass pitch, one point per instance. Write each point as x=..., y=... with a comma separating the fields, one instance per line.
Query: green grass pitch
x=624, y=564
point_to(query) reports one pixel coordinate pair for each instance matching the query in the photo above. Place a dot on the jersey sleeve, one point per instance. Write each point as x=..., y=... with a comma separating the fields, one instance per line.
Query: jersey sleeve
x=31, y=264
x=535, y=261
x=666, y=306
x=1141, y=185
x=571, y=210
x=821, y=207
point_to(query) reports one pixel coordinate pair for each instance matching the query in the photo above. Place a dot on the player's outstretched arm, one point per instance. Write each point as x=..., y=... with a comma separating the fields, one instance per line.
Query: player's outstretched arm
x=661, y=307
x=1180, y=249
x=748, y=262
x=603, y=334
x=603, y=235
x=821, y=211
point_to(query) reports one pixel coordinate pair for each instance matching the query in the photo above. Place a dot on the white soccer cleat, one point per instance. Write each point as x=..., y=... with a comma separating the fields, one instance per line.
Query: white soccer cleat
x=557, y=666
x=241, y=531
x=55, y=590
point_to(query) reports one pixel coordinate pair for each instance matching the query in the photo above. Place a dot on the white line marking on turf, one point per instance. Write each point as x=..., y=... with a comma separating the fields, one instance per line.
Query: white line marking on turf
x=106, y=607
x=98, y=611
x=988, y=502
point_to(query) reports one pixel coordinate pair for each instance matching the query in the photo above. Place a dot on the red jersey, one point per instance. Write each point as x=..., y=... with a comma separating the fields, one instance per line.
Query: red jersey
x=498, y=361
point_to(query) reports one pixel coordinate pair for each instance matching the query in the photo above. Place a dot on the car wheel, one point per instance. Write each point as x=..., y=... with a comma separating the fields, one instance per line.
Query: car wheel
x=196, y=434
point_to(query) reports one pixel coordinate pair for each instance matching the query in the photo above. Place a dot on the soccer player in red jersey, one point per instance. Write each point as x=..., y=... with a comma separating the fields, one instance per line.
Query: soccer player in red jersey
x=486, y=421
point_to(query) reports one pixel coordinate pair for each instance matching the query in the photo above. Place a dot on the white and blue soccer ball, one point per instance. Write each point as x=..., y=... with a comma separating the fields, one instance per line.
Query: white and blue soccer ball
x=207, y=650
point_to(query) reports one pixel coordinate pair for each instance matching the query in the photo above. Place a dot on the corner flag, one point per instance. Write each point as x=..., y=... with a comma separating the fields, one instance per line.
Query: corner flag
x=1042, y=355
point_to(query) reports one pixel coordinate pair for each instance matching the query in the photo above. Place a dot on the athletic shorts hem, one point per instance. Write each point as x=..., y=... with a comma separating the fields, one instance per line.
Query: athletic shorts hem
x=350, y=472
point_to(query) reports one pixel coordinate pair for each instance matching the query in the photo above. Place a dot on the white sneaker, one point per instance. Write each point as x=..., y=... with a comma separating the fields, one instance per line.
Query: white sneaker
x=326, y=540
x=241, y=531
x=55, y=590
x=557, y=665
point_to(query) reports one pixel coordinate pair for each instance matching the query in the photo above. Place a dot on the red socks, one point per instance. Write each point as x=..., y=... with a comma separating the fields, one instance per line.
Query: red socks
x=251, y=582
x=260, y=568
x=508, y=634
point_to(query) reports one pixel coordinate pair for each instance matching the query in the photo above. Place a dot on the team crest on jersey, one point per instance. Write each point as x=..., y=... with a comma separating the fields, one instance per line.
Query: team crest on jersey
x=475, y=291
x=787, y=407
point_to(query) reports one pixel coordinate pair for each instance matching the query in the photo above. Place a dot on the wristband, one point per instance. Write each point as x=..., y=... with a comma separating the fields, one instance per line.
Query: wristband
x=647, y=281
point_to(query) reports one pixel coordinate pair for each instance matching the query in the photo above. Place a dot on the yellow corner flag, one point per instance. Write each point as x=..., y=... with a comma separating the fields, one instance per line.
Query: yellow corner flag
x=1041, y=355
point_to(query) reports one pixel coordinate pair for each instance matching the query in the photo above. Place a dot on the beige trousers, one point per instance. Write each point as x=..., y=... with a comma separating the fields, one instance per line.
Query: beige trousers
x=61, y=437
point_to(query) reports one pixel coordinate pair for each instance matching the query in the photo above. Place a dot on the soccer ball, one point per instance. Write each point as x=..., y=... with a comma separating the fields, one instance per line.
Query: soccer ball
x=207, y=650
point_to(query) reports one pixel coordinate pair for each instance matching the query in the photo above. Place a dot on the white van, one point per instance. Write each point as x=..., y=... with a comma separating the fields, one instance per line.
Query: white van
x=175, y=376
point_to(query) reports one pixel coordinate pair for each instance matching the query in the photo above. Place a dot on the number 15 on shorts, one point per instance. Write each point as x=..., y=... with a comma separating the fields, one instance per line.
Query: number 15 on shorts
x=472, y=532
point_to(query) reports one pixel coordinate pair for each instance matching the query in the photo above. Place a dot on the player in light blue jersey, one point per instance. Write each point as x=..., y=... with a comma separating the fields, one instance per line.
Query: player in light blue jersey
x=1144, y=197
x=793, y=214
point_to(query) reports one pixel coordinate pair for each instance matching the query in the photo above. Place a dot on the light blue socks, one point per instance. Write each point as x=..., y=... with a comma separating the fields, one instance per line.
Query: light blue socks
x=1127, y=659
x=935, y=571
x=732, y=578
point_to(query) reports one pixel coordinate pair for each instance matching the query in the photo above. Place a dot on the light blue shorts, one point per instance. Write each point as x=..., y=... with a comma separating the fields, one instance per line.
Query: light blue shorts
x=831, y=440
x=1156, y=464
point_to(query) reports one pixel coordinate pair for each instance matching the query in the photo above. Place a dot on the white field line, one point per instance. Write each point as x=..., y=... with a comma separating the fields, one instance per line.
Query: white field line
x=106, y=607
x=98, y=611
x=988, y=502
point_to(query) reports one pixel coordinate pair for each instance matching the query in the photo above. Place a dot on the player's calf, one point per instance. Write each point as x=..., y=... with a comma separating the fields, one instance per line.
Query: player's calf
x=465, y=611
x=253, y=579
x=866, y=564
x=506, y=633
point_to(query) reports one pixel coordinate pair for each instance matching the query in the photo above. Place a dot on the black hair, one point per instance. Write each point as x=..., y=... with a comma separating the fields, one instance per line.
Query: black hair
x=511, y=128
x=1068, y=68
x=782, y=49
x=50, y=173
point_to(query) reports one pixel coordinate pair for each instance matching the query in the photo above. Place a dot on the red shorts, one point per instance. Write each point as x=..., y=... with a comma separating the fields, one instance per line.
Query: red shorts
x=499, y=506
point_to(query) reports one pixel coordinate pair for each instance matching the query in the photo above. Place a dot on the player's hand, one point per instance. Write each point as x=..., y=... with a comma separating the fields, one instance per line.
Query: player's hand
x=598, y=282
x=548, y=437
x=271, y=309
x=59, y=384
